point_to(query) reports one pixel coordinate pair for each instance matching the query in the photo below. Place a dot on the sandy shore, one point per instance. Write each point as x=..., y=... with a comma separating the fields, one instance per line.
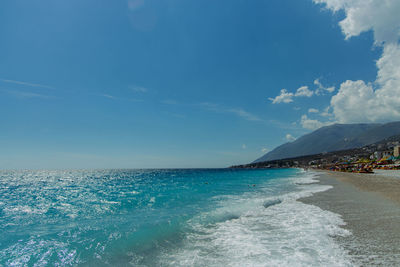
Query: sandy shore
x=370, y=205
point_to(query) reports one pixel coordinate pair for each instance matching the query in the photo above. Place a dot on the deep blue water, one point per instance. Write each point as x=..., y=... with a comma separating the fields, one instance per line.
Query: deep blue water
x=164, y=218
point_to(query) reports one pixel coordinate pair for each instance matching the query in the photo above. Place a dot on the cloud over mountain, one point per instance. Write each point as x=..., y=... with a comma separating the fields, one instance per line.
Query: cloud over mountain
x=362, y=101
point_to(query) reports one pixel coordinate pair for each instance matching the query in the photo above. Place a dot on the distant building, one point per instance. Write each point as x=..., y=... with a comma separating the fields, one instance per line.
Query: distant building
x=378, y=154
x=387, y=153
x=396, y=151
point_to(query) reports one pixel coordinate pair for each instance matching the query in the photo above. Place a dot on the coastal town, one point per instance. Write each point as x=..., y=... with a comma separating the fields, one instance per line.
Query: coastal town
x=387, y=160
x=382, y=155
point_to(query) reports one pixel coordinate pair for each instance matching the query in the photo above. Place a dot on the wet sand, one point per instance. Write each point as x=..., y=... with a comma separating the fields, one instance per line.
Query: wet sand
x=370, y=206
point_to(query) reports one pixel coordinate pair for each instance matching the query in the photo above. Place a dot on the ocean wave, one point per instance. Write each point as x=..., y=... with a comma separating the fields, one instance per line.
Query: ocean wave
x=286, y=233
x=166, y=218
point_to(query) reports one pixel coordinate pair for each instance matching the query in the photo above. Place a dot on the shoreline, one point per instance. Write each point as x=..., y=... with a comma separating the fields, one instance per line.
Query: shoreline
x=370, y=206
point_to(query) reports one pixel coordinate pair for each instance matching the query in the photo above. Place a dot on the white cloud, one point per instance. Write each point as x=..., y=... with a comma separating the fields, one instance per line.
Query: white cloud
x=313, y=110
x=311, y=124
x=287, y=97
x=354, y=102
x=326, y=112
x=284, y=97
x=357, y=101
x=360, y=101
x=290, y=137
x=264, y=150
x=322, y=89
x=380, y=16
x=244, y=146
x=304, y=91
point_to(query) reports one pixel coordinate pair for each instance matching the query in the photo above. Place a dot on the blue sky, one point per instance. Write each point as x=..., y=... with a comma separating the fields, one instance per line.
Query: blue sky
x=179, y=83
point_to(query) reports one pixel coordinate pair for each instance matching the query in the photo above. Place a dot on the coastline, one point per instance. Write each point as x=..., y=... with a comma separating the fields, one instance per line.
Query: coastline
x=370, y=206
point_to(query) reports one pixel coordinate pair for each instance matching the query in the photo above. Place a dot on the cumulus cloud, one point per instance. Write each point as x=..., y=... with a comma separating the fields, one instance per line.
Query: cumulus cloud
x=322, y=89
x=287, y=97
x=311, y=124
x=380, y=16
x=264, y=150
x=361, y=101
x=284, y=97
x=358, y=101
x=353, y=101
x=290, y=137
x=326, y=112
x=313, y=110
x=304, y=91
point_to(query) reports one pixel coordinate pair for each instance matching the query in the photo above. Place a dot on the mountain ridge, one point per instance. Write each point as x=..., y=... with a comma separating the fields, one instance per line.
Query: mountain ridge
x=333, y=138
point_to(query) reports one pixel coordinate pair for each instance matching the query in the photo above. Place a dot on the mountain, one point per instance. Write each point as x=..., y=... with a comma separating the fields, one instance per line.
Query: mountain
x=333, y=138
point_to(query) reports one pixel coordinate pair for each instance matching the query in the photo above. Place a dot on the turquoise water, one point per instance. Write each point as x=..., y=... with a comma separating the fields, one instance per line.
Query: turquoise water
x=164, y=218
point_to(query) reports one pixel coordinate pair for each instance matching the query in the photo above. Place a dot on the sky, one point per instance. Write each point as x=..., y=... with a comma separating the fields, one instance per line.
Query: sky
x=187, y=83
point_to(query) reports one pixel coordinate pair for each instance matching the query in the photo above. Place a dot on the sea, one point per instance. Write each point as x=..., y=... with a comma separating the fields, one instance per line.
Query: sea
x=182, y=217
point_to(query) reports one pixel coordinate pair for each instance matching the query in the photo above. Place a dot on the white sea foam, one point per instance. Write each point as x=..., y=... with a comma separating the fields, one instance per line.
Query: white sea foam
x=246, y=232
